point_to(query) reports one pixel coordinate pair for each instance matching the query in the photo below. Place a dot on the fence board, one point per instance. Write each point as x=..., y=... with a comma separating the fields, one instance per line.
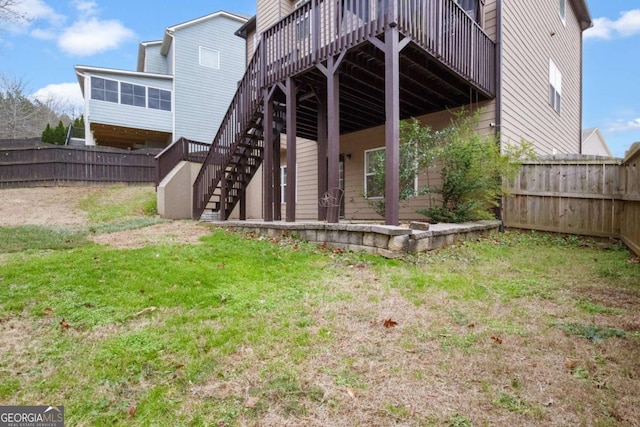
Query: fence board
x=31, y=164
x=586, y=195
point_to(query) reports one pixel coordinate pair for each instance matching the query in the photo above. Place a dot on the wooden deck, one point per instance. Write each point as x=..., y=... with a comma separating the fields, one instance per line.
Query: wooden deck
x=338, y=66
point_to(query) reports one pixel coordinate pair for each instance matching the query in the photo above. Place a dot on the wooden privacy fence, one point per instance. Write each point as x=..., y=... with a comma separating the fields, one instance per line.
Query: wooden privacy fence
x=33, y=164
x=584, y=195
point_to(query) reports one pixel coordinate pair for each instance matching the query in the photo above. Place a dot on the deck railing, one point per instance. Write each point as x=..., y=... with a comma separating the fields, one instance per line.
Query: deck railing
x=322, y=28
x=236, y=122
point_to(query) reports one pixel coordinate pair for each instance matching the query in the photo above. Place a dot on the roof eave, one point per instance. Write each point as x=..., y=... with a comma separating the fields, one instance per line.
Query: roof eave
x=248, y=27
x=584, y=16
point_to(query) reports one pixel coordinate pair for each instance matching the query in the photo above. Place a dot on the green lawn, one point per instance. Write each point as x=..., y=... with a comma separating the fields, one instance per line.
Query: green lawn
x=516, y=329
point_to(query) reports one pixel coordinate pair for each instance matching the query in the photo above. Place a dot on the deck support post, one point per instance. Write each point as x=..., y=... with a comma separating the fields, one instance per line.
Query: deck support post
x=322, y=153
x=223, y=198
x=267, y=164
x=392, y=126
x=292, y=105
x=333, y=127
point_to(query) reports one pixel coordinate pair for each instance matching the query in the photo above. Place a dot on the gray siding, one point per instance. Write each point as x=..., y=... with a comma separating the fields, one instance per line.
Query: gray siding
x=533, y=33
x=129, y=115
x=203, y=94
x=155, y=62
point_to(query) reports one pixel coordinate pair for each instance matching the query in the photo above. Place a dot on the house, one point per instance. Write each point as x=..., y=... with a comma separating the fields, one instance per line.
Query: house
x=594, y=143
x=181, y=87
x=331, y=80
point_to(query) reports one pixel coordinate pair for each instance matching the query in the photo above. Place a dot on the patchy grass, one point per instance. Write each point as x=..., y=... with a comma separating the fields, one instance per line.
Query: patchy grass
x=516, y=329
x=115, y=203
x=36, y=237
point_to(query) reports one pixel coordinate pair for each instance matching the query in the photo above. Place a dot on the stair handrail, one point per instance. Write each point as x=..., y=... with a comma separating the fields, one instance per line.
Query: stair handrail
x=236, y=121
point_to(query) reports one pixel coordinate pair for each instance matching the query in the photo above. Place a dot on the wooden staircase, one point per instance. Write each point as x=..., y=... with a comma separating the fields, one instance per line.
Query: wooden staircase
x=243, y=165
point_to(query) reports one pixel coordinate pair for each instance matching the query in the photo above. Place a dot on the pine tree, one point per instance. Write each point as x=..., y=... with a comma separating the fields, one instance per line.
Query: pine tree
x=47, y=134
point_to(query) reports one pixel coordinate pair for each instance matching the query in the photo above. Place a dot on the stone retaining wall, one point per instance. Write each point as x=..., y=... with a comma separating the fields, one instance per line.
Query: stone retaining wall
x=385, y=240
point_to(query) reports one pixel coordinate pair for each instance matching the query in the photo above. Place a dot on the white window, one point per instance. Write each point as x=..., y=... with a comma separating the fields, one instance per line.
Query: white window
x=209, y=58
x=131, y=94
x=283, y=185
x=563, y=10
x=303, y=27
x=373, y=160
x=555, y=86
x=159, y=99
x=374, y=183
x=104, y=89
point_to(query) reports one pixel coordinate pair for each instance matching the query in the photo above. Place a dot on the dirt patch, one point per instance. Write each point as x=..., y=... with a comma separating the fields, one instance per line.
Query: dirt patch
x=55, y=206
x=609, y=297
x=59, y=206
x=172, y=232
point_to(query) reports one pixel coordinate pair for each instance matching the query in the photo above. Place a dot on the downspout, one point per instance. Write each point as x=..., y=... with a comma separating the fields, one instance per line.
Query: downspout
x=581, y=93
x=499, y=49
x=173, y=85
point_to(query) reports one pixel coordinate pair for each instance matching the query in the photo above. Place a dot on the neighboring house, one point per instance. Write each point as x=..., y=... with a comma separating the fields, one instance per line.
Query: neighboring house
x=337, y=77
x=594, y=143
x=181, y=87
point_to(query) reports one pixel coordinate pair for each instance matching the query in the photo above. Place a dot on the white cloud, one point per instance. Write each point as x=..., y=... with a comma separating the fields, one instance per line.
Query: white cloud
x=86, y=38
x=627, y=25
x=86, y=8
x=67, y=95
x=41, y=34
x=33, y=11
x=624, y=125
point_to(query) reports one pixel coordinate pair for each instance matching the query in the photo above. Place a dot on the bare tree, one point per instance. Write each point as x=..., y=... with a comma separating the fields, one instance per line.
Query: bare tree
x=21, y=116
x=10, y=12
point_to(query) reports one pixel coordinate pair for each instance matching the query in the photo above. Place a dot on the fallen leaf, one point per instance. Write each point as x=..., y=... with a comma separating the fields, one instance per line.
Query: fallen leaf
x=412, y=411
x=635, y=260
x=221, y=265
x=48, y=310
x=223, y=298
x=351, y=393
x=132, y=411
x=145, y=311
x=570, y=364
x=497, y=340
x=389, y=323
x=179, y=366
x=251, y=402
x=64, y=324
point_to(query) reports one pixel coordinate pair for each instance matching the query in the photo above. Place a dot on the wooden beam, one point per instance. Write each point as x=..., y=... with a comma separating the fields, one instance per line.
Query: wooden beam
x=322, y=152
x=333, y=132
x=267, y=164
x=392, y=126
x=292, y=159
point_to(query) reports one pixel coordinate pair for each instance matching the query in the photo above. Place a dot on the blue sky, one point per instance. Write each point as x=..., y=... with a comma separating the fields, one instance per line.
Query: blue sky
x=106, y=33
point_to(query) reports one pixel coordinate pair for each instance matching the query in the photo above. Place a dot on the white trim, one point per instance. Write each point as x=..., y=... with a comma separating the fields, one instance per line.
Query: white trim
x=563, y=18
x=123, y=72
x=366, y=165
x=203, y=49
x=206, y=17
x=555, y=83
